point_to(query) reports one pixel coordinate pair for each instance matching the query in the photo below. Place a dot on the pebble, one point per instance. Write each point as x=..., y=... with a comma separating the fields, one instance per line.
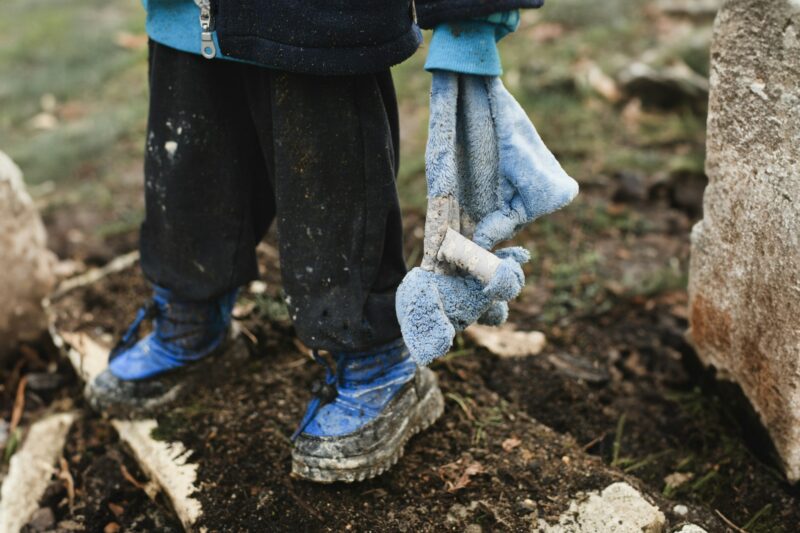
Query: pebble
x=528, y=504
x=457, y=513
x=42, y=520
x=680, y=510
x=691, y=528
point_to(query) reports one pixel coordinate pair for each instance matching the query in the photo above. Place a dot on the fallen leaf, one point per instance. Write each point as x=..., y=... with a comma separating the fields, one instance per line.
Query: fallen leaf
x=118, y=510
x=511, y=443
x=505, y=341
x=456, y=476
x=676, y=479
x=590, y=75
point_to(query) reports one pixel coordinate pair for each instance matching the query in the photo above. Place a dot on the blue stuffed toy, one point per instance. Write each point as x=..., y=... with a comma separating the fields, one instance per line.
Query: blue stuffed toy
x=489, y=174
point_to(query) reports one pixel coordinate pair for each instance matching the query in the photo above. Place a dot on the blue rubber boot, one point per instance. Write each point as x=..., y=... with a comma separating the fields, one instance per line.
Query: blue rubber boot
x=360, y=418
x=146, y=374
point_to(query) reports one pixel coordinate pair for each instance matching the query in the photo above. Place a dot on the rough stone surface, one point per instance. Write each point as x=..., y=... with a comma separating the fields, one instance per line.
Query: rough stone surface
x=618, y=509
x=26, y=266
x=744, y=281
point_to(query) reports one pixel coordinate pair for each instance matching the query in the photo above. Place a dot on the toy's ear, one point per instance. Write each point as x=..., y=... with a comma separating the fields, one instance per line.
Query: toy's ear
x=517, y=253
x=532, y=181
x=495, y=315
x=426, y=330
x=507, y=282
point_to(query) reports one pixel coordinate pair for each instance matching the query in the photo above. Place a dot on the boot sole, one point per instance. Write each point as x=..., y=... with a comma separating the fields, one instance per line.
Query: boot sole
x=367, y=466
x=231, y=354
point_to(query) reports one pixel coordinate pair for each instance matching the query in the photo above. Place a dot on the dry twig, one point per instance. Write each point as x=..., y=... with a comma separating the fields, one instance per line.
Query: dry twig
x=65, y=476
x=132, y=480
x=19, y=405
x=728, y=522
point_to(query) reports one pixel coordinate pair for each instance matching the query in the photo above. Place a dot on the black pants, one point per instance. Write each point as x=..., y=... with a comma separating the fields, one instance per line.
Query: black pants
x=230, y=147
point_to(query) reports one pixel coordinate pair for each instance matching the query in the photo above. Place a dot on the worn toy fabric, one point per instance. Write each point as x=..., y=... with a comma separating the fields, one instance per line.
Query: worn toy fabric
x=469, y=46
x=491, y=174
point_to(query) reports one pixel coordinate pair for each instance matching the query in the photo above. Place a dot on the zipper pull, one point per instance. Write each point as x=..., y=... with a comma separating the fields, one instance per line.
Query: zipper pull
x=207, y=47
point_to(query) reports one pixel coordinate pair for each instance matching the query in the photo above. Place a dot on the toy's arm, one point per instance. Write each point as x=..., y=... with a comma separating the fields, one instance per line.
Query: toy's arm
x=470, y=46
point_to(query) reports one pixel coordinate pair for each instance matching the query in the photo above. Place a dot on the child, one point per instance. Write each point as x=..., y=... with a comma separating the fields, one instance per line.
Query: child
x=289, y=115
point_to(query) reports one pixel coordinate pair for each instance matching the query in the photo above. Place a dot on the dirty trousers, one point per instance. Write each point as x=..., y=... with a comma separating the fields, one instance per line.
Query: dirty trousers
x=231, y=146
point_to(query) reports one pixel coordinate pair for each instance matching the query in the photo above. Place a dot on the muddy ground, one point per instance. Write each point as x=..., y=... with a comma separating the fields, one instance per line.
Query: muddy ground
x=617, y=392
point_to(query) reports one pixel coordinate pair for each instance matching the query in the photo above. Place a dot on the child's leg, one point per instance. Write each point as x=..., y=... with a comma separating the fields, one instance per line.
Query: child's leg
x=208, y=203
x=333, y=142
x=208, y=200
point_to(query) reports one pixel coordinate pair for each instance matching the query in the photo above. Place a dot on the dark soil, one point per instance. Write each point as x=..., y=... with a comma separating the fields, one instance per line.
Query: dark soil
x=109, y=489
x=640, y=396
x=424, y=492
x=617, y=380
x=33, y=381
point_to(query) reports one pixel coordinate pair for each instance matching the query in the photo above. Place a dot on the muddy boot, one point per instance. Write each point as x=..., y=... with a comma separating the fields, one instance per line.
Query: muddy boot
x=146, y=375
x=360, y=418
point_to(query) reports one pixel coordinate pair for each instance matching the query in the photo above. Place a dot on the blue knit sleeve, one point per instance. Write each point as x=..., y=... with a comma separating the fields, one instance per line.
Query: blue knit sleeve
x=470, y=46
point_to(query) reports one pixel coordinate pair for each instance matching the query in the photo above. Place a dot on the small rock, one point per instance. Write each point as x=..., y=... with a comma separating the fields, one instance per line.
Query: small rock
x=680, y=510
x=42, y=520
x=505, y=341
x=258, y=287
x=663, y=87
x=691, y=528
x=473, y=528
x=458, y=513
x=26, y=265
x=528, y=505
x=619, y=508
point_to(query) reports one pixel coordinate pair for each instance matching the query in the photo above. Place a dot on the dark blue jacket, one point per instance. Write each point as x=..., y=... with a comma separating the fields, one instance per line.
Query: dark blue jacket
x=337, y=36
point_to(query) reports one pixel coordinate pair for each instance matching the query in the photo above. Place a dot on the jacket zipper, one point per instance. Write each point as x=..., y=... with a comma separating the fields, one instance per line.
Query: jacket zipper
x=207, y=47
